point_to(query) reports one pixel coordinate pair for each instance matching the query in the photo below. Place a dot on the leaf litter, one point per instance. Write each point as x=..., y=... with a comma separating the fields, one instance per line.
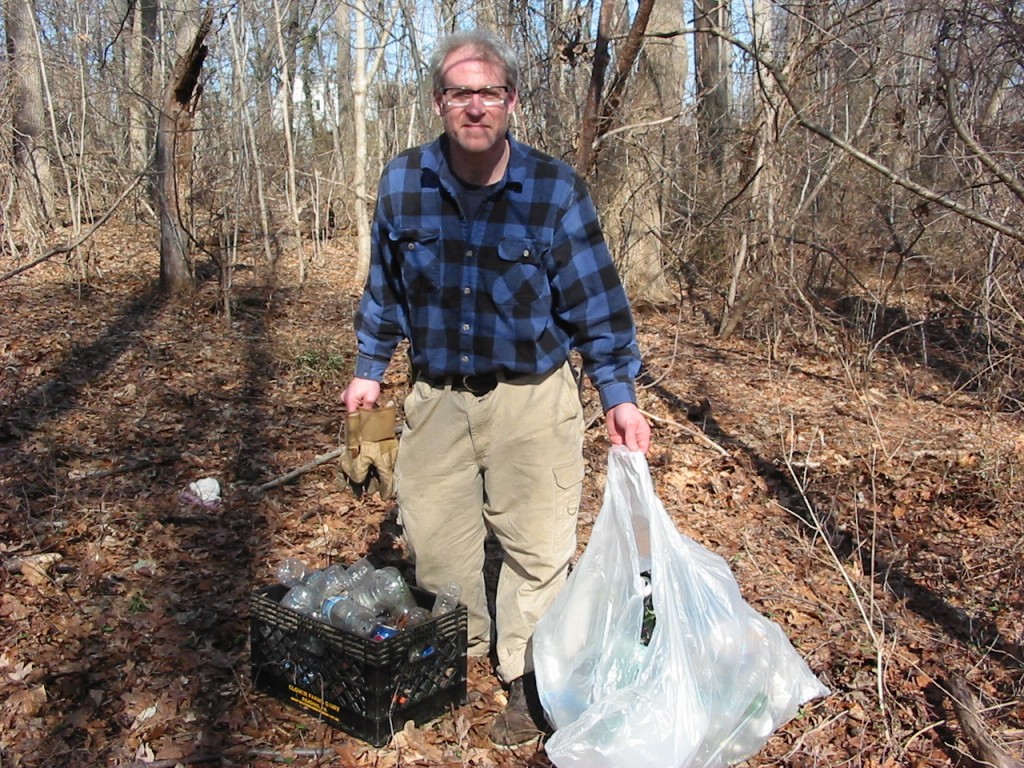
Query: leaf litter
x=879, y=525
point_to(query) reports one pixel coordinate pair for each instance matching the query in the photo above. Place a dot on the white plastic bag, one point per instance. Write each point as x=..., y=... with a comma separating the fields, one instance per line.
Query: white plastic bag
x=714, y=682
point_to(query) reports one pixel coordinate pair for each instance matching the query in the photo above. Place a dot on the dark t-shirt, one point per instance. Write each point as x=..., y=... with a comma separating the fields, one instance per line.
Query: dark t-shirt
x=472, y=196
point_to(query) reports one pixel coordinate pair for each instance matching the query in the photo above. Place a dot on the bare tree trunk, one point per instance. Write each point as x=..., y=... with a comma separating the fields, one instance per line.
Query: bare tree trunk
x=712, y=55
x=174, y=159
x=600, y=109
x=758, y=230
x=359, y=89
x=140, y=81
x=446, y=14
x=563, y=46
x=287, y=53
x=639, y=158
x=343, y=103
x=592, y=107
x=364, y=73
x=33, y=176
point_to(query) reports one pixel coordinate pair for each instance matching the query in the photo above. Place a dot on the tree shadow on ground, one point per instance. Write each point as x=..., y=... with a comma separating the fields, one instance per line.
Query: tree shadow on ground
x=946, y=341
x=169, y=631
x=818, y=521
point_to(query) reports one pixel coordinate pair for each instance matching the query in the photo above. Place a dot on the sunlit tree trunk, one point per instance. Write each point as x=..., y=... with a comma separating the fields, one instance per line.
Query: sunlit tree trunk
x=33, y=175
x=363, y=74
x=342, y=123
x=640, y=186
x=757, y=232
x=140, y=81
x=286, y=50
x=359, y=88
x=446, y=15
x=603, y=108
x=595, y=90
x=174, y=160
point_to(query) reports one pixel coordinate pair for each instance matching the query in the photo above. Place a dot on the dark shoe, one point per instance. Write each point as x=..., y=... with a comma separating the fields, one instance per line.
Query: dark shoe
x=522, y=721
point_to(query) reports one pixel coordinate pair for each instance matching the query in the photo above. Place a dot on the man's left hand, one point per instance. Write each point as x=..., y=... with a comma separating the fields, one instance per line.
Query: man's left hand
x=627, y=426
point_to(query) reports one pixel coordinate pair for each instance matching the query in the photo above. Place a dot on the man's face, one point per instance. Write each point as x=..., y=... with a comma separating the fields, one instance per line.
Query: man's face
x=476, y=127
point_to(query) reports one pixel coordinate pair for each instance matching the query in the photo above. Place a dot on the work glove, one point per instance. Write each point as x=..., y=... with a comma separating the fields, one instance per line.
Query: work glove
x=371, y=447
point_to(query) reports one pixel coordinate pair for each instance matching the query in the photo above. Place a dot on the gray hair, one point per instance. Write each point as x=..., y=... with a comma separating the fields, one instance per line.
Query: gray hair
x=487, y=44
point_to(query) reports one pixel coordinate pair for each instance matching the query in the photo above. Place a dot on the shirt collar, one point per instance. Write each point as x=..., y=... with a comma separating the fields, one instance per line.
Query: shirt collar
x=435, y=159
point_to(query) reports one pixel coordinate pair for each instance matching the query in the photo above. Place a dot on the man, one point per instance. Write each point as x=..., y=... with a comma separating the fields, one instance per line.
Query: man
x=488, y=257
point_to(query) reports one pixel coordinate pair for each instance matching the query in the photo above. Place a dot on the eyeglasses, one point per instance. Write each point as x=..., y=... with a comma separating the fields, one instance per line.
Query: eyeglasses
x=459, y=97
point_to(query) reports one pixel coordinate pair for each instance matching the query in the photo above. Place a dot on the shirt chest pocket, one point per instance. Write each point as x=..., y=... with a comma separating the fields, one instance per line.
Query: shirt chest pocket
x=418, y=252
x=518, y=278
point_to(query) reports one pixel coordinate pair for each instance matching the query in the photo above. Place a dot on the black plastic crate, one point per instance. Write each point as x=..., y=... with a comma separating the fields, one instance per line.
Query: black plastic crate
x=367, y=688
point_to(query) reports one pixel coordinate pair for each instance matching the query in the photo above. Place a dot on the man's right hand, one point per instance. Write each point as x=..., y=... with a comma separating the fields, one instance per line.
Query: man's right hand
x=360, y=394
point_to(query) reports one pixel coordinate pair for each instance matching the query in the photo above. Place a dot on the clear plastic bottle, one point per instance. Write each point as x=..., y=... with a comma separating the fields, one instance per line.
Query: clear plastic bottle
x=337, y=581
x=390, y=592
x=302, y=599
x=360, y=569
x=447, y=599
x=650, y=617
x=345, y=613
x=412, y=617
x=316, y=581
x=291, y=571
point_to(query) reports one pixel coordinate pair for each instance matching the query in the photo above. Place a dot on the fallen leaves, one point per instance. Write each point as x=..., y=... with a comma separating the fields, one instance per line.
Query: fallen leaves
x=25, y=702
x=131, y=644
x=34, y=568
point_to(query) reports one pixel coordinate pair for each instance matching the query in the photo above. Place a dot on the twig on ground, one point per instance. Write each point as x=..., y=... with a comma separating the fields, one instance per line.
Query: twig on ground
x=123, y=470
x=323, y=458
x=983, y=746
x=865, y=604
x=170, y=763
x=689, y=429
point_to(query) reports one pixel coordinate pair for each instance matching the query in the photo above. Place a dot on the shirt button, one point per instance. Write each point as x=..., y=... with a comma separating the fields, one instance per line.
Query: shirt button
x=467, y=290
x=526, y=254
x=465, y=326
x=410, y=246
x=469, y=254
x=465, y=358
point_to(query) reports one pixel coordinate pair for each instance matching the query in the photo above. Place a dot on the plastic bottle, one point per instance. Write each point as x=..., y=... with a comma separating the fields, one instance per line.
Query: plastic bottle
x=360, y=569
x=345, y=613
x=390, y=592
x=337, y=581
x=412, y=618
x=650, y=618
x=447, y=599
x=302, y=599
x=316, y=581
x=384, y=632
x=291, y=571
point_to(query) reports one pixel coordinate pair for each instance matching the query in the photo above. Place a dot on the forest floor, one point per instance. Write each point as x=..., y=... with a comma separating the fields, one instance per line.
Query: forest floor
x=874, y=512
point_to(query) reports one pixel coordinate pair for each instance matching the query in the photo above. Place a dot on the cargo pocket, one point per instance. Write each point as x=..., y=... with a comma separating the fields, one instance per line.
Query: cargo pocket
x=568, y=488
x=568, y=492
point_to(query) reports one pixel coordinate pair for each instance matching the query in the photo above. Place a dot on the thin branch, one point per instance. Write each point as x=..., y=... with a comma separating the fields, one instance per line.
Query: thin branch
x=690, y=430
x=123, y=470
x=632, y=126
x=952, y=109
x=69, y=247
x=902, y=181
x=815, y=521
x=983, y=746
x=323, y=458
x=171, y=762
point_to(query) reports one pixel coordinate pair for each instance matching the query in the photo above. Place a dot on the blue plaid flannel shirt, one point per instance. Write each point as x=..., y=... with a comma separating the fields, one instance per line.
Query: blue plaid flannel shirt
x=511, y=291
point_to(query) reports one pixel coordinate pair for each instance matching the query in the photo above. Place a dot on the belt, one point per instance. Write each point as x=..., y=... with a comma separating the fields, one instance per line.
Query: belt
x=475, y=384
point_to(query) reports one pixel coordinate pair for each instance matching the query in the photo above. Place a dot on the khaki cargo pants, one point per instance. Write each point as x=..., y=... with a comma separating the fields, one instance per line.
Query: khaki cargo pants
x=510, y=462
